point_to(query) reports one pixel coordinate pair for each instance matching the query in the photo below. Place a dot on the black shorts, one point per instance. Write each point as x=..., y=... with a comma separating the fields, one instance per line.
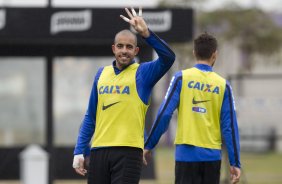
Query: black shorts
x=197, y=172
x=115, y=165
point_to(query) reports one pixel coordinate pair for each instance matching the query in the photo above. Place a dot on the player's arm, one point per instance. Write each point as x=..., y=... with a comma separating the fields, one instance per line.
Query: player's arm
x=86, y=130
x=153, y=70
x=158, y=67
x=230, y=132
x=165, y=112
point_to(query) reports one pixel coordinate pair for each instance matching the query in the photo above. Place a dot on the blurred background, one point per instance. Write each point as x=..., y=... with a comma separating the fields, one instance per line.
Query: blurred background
x=44, y=90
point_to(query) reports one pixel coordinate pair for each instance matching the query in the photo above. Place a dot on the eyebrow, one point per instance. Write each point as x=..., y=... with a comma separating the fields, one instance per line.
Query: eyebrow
x=125, y=44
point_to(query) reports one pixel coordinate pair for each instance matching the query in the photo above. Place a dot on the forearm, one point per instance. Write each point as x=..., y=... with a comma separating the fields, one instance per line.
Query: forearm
x=165, y=112
x=86, y=132
x=151, y=72
x=233, y=149
x=87, y=128
x=229, y=128
x=231, y=137
x=165, y=54
x=159, y=127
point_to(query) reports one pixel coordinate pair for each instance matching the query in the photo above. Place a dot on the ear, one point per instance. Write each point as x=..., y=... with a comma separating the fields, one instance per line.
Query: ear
x=194, y=53
x=214, y=55
x=136, y=51
x=213, y=58
x=113, y=49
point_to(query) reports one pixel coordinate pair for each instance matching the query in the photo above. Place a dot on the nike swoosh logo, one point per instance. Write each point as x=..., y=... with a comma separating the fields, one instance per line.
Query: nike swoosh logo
x=107, y=106
x=197, y=102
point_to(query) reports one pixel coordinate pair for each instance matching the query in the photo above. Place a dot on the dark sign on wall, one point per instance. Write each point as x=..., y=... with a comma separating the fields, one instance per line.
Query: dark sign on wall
x=86, y=26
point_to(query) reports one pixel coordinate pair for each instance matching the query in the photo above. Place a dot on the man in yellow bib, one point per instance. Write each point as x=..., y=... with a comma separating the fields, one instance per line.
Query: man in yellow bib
x=115, y=117
x=206, y=111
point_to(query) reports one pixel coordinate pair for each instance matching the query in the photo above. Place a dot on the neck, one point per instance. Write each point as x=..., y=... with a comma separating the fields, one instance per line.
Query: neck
x=206, y=62
x=119, y=66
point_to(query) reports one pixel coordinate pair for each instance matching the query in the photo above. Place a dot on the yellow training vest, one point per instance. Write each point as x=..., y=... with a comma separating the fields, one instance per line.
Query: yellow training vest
x=199, y=109
x=120, y=115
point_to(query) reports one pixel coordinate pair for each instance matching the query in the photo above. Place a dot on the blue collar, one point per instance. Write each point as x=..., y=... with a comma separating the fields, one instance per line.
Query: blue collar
x=203, y=67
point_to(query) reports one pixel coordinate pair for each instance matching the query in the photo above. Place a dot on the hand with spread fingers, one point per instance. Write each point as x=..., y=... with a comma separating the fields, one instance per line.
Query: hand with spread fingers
x=137, y=22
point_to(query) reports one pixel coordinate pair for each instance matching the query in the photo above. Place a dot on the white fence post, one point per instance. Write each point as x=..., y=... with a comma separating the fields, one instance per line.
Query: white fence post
x=34, y=165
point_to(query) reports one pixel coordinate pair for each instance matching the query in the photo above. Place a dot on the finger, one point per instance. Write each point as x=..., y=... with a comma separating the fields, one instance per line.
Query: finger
x=234, y=179
x=144, y=160
x=80, y=171
x=135, y=22
x=133, y=12
x=140, y=11
x=124, y=18
x=128, y=13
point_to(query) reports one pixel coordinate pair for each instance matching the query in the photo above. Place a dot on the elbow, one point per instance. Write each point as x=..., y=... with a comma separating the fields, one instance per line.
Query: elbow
x=172, y=57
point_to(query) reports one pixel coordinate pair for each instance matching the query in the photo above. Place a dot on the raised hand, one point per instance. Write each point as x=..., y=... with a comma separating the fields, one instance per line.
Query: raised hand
x=137, y=21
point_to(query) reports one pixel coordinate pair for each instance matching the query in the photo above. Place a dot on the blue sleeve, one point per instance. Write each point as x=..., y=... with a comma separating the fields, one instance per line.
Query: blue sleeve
x=87, y=127
x=165, y=112
x=149, y=73
x=229, y=127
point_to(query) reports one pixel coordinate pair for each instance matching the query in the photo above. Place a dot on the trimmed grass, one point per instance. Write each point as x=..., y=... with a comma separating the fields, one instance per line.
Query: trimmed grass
x=260, y=168
x=257, y=168
x=263, y=168
x=164, y=164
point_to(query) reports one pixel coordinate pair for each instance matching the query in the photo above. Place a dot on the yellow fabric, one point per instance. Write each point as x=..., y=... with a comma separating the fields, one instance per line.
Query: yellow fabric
x=121, y=123
x=199, y=123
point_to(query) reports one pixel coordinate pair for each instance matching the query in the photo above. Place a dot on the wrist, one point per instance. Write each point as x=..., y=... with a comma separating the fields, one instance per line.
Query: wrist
x=145, y=34
x=79, y=156
x=76, y=160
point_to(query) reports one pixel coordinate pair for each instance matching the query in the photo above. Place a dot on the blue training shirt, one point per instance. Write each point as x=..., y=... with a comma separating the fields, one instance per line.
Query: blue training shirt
x=190, y=153
x=147, y=75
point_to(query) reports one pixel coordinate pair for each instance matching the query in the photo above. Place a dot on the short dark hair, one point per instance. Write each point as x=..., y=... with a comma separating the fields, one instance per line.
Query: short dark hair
x=204, y=46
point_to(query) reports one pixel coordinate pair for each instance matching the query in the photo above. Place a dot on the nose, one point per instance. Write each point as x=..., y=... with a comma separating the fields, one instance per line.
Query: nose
x=124, y=49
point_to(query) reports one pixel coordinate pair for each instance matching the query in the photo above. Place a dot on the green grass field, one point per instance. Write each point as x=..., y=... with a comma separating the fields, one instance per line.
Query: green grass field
x=262, y=168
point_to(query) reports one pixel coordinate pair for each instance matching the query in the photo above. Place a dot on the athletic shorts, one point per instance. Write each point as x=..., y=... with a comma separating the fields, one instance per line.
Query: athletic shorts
x=197, y=172
x=115, y=165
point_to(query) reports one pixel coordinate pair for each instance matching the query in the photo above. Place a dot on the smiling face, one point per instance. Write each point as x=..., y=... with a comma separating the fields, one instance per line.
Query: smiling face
x=125, y=48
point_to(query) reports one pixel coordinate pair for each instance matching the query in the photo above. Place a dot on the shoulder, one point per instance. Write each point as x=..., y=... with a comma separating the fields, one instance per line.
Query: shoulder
x=98, y=74
x=218, y=78
x=228, y=86
x=177, y=77
x=134, y=65
x=189, y=70
x=217, y=75
x=178, y=74
x=100, y=69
